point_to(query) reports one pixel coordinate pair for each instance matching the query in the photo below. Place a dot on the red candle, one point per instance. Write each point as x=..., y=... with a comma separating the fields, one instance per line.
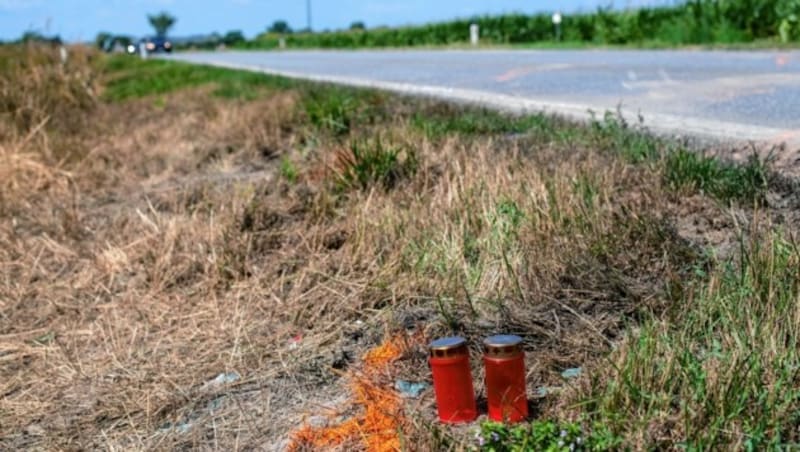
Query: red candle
x=452, y=380
x=505, y=378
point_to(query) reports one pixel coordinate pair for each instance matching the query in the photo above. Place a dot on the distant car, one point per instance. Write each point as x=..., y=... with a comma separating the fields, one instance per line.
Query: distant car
x=157, y=44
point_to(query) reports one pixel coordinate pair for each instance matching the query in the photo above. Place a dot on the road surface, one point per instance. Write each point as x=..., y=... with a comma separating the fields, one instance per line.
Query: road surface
x=724, y=95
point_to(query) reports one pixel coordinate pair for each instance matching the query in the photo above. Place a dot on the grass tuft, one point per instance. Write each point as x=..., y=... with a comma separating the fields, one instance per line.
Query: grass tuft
x=687, y=170
x=288, y=170
x=372, y=162
x=631, y=141
x=333, y=111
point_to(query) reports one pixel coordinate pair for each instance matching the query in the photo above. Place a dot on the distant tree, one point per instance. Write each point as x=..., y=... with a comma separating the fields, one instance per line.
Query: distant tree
x=233, y=37
x=280, y=26
x=103, y=40
x=358, y=25
x=161, y=22
x=35, y=36
x=123, y=40
x=31, y=36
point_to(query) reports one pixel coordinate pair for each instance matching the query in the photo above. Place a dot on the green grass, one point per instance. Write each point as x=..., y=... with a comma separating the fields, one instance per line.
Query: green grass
x=684, y=170
x=333, y=110
x=373, y=162
x=131, y=77
x=543, y=435
x=288, y=170
x=338, y=110
x=725, y=181
x=477, y=121
x=721, y=373
x=632, y=142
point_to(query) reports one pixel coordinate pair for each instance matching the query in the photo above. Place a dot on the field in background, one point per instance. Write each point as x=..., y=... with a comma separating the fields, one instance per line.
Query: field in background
x=703, y=22
x=198, y=257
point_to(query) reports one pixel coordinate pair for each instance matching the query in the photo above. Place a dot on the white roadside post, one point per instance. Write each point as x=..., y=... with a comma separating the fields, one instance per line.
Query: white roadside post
x=143, y=50
x=474, y=33
x=282, y=42
x=557, y=24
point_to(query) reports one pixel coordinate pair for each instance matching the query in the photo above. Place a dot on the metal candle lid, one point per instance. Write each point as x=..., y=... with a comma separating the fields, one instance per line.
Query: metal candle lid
x=448, y=346
x=503, y=345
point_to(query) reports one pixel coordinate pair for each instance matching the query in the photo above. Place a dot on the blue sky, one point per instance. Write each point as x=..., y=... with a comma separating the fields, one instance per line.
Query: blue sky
x=77, y=20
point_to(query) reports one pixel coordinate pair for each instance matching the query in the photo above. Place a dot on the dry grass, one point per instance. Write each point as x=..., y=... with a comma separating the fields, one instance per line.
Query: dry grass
x=171, y=248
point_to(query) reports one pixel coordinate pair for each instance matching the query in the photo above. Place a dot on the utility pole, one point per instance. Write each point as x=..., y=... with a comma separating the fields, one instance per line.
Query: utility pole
x=308, y=14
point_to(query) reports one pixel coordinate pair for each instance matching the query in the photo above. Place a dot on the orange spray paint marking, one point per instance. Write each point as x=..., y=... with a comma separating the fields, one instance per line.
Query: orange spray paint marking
x=379, y=422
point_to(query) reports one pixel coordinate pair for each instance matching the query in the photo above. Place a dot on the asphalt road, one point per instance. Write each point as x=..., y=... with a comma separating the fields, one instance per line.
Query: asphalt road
x=723, y=95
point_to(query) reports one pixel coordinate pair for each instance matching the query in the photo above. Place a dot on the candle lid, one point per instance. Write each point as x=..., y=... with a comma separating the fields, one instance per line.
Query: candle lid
x=503, y=344
x=447, y=343
x=448, y=347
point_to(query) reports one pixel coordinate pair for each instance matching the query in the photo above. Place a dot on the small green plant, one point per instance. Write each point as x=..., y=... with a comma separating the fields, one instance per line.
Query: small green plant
x=506, y=221
x=331, y=110
x=546, y=436
x=288, y=170
x=685, y=169
x=370, y=162
x=616, y=134
x=588, y=189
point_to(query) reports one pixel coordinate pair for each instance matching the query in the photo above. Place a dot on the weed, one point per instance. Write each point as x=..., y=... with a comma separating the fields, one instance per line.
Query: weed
x=507, y=219
x=288, y=170
x=725, y=181
x=588, y=189
x=371, y=162
x=333, y=111
x=632, y=142
x=543, y=435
